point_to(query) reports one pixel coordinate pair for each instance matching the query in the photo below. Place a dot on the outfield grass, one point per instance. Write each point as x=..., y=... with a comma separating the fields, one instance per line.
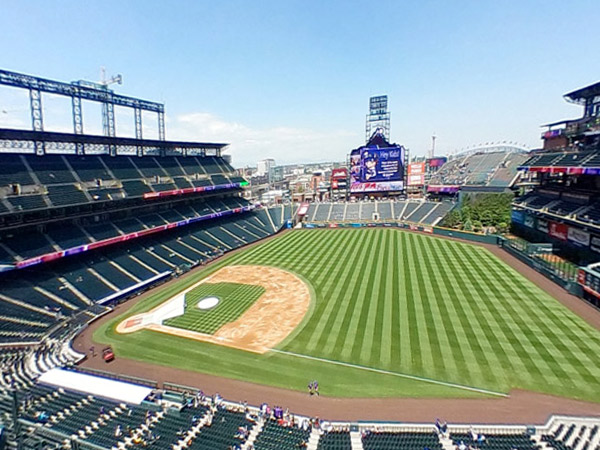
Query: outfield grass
x=234, y=300
x=398, y=302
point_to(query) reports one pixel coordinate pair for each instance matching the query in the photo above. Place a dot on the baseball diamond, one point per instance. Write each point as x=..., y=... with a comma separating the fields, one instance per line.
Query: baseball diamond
x=392, y=313
x=233, y=298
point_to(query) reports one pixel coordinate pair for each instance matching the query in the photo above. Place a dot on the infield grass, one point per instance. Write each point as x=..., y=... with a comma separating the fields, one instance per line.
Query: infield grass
x=399, y=302
x=234, y=300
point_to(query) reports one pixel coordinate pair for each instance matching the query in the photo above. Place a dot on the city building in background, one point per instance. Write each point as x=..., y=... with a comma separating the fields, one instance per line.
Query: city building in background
x=264, y=166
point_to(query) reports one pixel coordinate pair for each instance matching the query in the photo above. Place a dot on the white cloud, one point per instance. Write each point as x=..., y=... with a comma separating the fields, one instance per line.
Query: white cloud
x=248, y=145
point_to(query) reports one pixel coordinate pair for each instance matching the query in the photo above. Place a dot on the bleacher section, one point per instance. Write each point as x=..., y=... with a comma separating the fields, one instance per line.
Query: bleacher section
x=276, y=437
x=335, y=440
x=519, y=441
x=389, y=440
x=584, y=159
x=495, y=169
x=66, y=180
x=567, y=204
x=57, y=204
x=425, y=212
x=186, y=418
x=34, y=300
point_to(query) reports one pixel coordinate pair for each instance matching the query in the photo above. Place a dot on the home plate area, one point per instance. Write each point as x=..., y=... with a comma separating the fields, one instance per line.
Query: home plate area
x=234, y=307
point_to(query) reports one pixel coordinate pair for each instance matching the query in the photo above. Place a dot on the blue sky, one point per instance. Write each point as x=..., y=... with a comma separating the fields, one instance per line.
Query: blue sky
x=292, y=79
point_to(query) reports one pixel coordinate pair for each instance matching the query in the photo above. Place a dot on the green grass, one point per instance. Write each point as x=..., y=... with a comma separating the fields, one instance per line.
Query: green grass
x=400, y=302
x=234, y=300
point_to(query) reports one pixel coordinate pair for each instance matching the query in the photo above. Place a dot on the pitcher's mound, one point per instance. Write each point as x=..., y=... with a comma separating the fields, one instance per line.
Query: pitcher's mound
x=208, y=303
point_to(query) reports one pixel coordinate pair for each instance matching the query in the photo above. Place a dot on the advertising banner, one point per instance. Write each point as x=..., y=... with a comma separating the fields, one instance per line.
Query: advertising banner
x=578, y=236
x=437, y=162
x=340, y=172
x=595, y=243
x=416, y=180
x=529, y=221
x=443, y=189
x=542, y=225
x=338, y=178
x=558, y=230
x=517, y=216
x=303, y=209
x=416, y=168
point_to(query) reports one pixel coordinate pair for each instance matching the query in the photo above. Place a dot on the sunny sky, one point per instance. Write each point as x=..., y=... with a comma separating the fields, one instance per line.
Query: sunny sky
x=291, y=79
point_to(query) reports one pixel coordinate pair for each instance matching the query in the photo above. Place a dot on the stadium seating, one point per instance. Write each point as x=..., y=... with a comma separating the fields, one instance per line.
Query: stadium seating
x=77, y=282
x=276, y=437
x=160, y=187
x=495, y=168
x=507, y=171
x=589, y=158
x=385, y=211
x=497, y=442
x=590, y=215
x=89, y=168
x=222, y=431
x=107, y=424
x=421, y=212
x=322, y=212
x=335, y=440
x=182, y=183
x=67, y=194
x=366, y=210
x=388, y=440
x=51, y=169
x=352, y=212
x=149, y=167
x=408, y=209
x=563, y=207
x=27, y=202
x=67, y=180
x=363, y=211
x=337, y=211
x=14, y=171
x=135, y=188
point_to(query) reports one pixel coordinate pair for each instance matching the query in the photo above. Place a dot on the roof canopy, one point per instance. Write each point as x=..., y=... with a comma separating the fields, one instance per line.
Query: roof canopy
x=584, y=93
x=94, y=385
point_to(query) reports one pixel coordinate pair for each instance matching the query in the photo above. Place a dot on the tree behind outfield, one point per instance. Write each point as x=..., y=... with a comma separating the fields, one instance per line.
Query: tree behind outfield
x=481, y=212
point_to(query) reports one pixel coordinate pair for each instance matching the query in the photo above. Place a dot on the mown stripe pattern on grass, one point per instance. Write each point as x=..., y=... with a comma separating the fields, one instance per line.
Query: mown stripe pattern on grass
x=433, y=307
x=234, y=300
x=400, y=302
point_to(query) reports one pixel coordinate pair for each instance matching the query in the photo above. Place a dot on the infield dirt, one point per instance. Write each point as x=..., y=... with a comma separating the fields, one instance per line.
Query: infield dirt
x=276, y=313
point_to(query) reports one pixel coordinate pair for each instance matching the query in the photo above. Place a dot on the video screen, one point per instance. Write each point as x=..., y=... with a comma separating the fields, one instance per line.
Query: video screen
x=375, y=169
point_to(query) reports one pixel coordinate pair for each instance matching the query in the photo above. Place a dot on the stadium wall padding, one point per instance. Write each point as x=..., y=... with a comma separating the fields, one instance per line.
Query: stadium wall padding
x=483, y=238
x=569, y=286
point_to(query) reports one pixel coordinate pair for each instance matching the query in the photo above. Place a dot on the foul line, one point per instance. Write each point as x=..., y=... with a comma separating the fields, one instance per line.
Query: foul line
x=395, y=374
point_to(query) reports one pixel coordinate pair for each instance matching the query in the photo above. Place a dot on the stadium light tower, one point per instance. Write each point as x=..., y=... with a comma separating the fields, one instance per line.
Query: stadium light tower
x=432, y=151
x=378, y=117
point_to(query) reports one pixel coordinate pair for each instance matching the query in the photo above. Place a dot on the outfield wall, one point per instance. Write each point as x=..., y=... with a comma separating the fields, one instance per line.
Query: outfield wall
x=570, y=286
x=440, y=231
x=475, y=237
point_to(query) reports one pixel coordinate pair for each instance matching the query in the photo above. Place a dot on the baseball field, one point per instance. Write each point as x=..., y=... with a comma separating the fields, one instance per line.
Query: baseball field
x=389, y=314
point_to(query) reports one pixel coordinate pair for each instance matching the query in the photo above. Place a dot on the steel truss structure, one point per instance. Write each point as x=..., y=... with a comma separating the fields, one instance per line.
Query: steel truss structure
x=25, y=141
x=79, y=91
